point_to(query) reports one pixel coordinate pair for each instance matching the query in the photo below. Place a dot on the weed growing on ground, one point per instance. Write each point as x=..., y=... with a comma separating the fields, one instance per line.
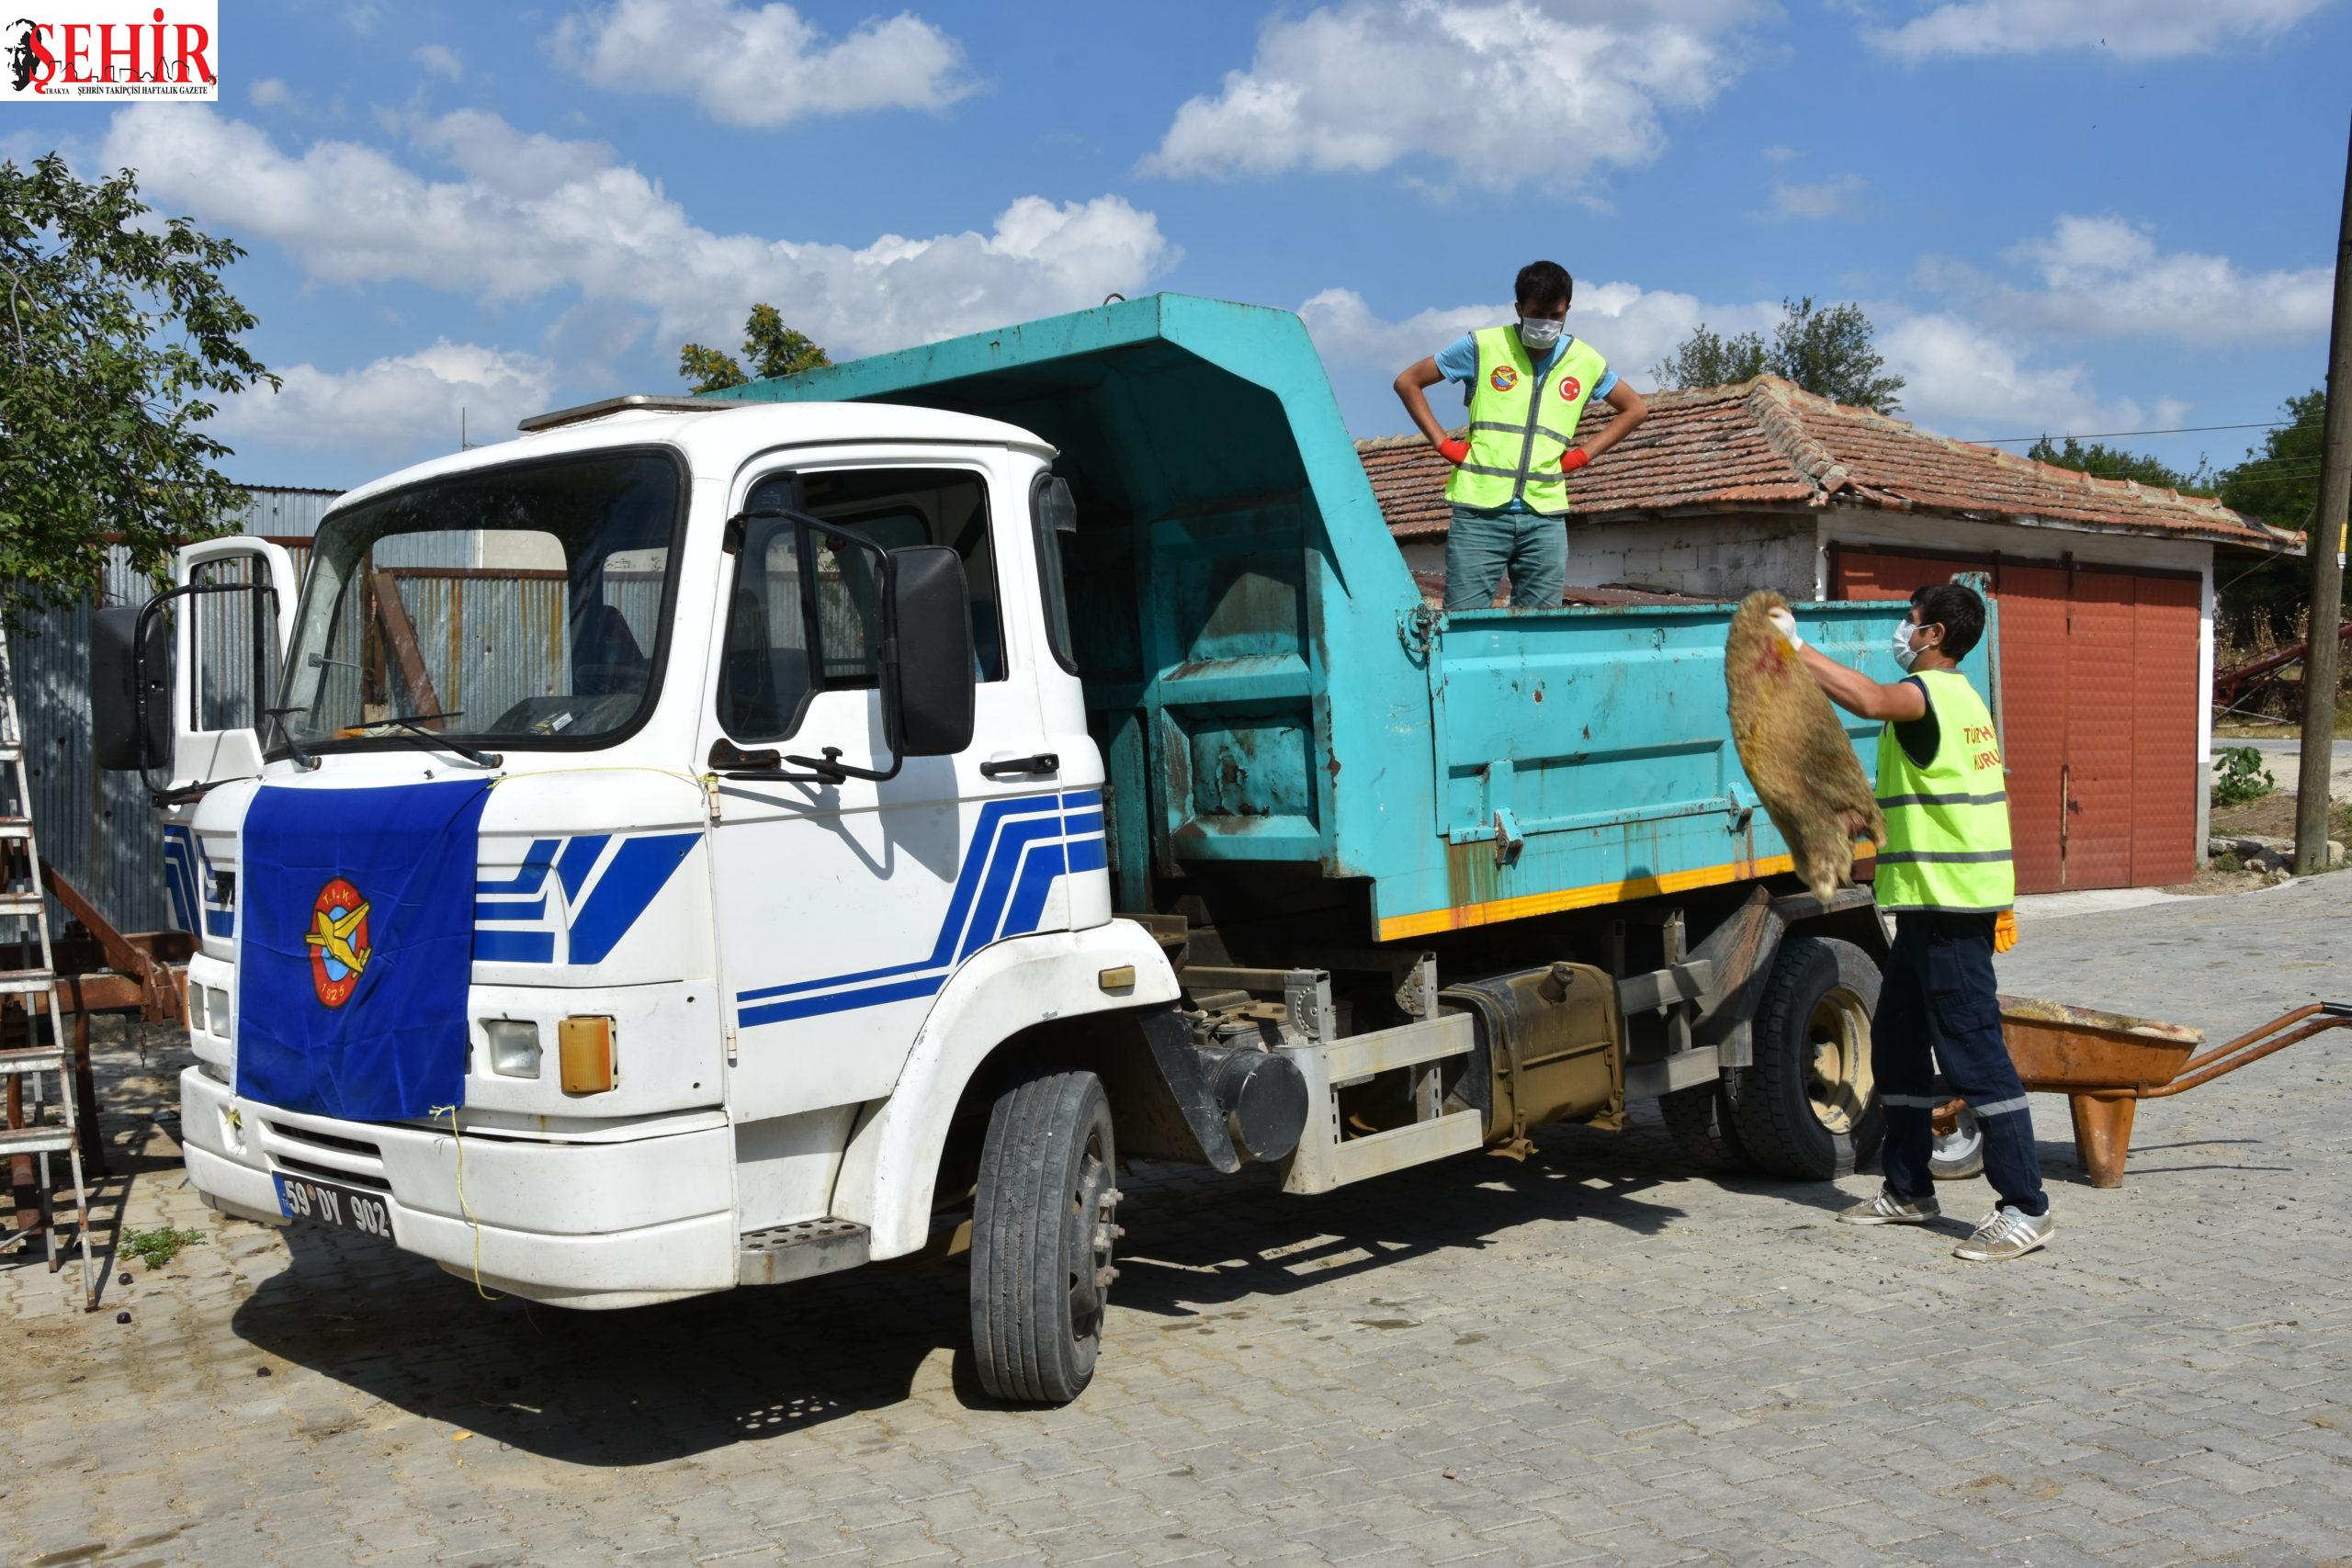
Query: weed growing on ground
x=2241, y=777
x=156, y=1247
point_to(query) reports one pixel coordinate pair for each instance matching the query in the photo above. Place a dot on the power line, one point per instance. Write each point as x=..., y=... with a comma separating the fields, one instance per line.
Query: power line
x=2111, y=434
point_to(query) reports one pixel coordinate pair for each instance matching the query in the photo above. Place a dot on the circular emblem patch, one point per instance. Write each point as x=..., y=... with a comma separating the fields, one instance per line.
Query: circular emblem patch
x=338, y=942
x=1504, y=379
x=1570, y=389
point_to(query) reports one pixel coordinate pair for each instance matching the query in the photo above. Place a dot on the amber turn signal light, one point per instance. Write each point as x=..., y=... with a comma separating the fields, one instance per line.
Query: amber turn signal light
x=585, y=1045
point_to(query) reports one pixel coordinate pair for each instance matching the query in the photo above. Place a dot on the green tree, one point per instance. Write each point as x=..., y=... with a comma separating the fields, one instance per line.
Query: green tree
x=2279, y=482
x=119, y=336
x=772, y=348
x=1707, y=358
x=1826, y=351
x=2113, y=463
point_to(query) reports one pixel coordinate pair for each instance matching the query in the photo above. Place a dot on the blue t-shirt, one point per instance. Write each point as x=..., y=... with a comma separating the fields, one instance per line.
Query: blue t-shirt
x=1458, y=361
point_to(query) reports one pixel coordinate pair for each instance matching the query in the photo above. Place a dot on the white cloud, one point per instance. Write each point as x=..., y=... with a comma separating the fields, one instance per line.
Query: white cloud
x=269, y=91
x=536, y=216
x=1507, y=93
x=1967, y=381
x=1800, y=201
x=764, y=65
x=2107, y=278
x=2141, y=30
x=394, y=406
x=439, y=59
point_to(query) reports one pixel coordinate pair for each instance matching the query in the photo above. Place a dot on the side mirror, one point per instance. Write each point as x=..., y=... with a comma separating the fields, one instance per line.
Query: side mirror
x=130, y=689
x=928, y=712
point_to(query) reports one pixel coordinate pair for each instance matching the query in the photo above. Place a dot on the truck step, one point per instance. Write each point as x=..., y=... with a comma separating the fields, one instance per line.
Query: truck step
x=1377, y=1153
x=800, y=1251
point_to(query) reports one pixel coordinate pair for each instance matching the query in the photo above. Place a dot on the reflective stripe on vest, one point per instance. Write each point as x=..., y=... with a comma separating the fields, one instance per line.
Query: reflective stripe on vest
x=1521, y=421
x=1948, y=823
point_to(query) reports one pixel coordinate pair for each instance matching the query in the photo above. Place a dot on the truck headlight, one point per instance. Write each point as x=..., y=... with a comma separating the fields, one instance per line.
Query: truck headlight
x=196, y=1010
x=218, y=999
x=514, y=1046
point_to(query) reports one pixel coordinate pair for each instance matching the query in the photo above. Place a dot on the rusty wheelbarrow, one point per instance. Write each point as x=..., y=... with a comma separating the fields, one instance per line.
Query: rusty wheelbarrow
x=2105, y=1064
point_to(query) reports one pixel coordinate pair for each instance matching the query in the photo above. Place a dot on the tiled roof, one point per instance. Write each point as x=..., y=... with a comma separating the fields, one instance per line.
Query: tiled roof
x=1769, y=444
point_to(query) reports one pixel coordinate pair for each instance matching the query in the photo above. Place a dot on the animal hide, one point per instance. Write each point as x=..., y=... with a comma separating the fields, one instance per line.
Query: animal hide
x=1796, y=753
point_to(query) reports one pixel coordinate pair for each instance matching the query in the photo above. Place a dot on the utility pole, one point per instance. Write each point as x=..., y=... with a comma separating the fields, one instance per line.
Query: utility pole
x=2321, y=543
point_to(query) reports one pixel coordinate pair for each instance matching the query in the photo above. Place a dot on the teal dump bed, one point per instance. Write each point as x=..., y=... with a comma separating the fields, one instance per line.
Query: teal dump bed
x=1265, y=680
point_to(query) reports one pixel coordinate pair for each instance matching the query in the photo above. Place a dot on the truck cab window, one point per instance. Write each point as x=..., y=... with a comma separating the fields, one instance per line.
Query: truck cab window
x=770, y=663
x=521, y=603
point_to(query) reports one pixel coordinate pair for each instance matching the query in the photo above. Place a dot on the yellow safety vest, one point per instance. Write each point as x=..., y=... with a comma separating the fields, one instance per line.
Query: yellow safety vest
x=1520, y=423
x=1948, y=823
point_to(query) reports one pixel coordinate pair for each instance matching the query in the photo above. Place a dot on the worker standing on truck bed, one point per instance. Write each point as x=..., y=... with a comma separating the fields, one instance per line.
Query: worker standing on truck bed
x=1527, y=387
x=1946, y=876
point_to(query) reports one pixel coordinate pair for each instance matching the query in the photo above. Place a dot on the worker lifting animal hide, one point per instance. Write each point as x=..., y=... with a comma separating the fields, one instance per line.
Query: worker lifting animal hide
x=1796, y=753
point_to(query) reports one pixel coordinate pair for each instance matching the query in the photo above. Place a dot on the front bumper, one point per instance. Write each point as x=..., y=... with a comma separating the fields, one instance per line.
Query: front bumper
x=608, y=1222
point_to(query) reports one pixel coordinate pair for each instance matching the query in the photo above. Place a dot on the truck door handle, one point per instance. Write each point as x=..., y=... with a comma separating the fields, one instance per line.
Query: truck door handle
x=1017, y=767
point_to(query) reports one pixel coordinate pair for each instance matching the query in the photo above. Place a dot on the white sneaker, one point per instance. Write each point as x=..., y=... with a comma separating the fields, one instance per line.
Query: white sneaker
x=1886, y=1209
x=2006, y=1234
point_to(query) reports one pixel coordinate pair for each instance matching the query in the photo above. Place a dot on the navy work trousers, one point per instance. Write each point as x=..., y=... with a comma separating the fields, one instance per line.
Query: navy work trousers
x=1936, y=1006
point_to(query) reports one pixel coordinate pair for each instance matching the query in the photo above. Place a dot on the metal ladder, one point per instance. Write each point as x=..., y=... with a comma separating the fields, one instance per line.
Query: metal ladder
x=24, y=935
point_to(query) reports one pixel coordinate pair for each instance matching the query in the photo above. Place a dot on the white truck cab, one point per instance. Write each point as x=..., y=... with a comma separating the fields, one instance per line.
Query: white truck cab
x=787, y=917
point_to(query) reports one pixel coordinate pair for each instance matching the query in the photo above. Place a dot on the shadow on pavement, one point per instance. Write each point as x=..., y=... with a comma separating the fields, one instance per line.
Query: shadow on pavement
x=655, y=1383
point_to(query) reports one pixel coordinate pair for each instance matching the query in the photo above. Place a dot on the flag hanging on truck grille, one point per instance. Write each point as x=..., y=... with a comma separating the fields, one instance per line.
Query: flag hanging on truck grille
x=356, y=948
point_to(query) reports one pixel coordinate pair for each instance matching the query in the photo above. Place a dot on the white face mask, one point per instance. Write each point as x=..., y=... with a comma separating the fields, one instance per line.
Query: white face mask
x=1905, y=654
x=1538, y=333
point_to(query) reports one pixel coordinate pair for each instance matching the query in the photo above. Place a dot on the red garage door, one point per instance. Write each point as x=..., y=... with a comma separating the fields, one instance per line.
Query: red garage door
x=2100, y=707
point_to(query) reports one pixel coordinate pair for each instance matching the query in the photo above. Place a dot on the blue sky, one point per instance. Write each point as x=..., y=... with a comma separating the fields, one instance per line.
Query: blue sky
x=2065, y=215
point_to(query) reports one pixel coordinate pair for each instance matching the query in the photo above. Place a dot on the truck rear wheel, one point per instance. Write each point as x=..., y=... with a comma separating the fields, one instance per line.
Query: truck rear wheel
x=1042, y=1236
x=1806, y=1107
x=1700, y=1120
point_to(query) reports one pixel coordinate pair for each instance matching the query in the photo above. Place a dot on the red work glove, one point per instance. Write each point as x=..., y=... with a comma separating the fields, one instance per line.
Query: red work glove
x=1454, y=452
x=1572, y=460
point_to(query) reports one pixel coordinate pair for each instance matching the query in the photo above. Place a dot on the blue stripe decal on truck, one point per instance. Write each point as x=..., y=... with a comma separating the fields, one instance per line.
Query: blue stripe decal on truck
x=591, y=908
x=1020, y=849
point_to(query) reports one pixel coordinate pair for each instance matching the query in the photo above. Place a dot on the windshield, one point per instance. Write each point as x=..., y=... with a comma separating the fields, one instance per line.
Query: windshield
x=521, y=604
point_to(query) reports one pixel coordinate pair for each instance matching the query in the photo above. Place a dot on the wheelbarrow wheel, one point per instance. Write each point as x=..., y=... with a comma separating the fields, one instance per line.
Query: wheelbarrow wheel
x=1805, y=1108
x=1960, y=1154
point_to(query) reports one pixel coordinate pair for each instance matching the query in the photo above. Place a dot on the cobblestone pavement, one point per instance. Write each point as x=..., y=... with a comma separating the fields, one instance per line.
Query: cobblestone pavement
x=1586, y=1357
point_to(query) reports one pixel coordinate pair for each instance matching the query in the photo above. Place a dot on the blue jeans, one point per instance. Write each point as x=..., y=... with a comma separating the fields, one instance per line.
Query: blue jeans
x=1481, y=545
x=1936, y=1008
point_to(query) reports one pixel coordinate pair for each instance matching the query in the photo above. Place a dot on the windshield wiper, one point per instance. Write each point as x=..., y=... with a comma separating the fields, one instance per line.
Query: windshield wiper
x=414, y=724
x=302, y=759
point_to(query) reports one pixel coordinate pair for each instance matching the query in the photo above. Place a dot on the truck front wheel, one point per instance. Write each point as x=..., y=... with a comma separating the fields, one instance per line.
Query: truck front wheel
x=1805, y=1107
x=1042, y=1235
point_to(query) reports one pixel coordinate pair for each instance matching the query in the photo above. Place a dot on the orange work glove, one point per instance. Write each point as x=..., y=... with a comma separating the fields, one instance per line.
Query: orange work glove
x=1572, y=460
x=2004, y=930
x=1453, y=451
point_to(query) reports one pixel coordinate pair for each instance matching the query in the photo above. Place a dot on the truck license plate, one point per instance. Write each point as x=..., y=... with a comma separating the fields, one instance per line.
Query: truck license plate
x=345, y=1208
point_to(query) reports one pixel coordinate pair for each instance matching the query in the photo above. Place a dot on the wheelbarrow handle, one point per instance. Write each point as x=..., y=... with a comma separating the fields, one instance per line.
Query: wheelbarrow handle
x=2251, y=1047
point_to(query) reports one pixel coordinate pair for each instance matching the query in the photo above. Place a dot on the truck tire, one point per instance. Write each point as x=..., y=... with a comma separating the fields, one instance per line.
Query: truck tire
x=1806, y=1107
x=1042, y=1232
x=1700, y=1120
